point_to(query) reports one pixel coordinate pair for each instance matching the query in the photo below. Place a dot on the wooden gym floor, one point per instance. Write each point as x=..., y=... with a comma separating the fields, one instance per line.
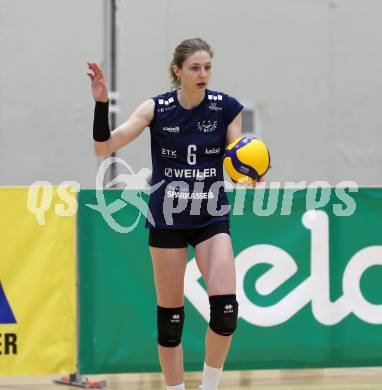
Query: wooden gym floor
x=317, y=379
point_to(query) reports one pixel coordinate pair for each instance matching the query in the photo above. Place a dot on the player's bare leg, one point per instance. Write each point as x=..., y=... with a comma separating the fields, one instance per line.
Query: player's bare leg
x=169, y=266
x=215, y=260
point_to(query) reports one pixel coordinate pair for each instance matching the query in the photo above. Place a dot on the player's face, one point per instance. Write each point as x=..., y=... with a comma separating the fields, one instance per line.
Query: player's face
x=196, y=71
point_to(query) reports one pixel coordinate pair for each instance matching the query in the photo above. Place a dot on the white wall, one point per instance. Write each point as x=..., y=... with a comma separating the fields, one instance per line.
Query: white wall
x=312, y=68
x=45, y=106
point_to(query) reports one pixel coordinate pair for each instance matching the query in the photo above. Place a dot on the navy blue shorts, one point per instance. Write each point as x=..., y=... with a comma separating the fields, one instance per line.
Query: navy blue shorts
x=181, y=238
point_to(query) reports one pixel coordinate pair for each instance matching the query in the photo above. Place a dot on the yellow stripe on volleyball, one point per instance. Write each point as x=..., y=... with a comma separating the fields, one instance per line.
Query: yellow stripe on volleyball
x=254, y=154
x=233, y=173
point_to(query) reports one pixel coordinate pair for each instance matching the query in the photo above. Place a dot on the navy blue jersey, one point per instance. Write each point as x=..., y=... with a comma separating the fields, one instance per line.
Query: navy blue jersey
x=187, y=151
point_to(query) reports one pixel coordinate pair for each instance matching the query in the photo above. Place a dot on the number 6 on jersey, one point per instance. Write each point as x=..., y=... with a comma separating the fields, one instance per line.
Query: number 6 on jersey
x=191, y=155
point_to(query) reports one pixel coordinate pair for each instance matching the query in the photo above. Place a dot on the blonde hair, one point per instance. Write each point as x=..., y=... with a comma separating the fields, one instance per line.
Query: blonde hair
x=182, y=51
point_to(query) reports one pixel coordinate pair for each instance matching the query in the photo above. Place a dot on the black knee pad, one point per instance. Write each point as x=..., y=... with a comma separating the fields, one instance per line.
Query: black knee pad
x=224, y=313
x=170, y=325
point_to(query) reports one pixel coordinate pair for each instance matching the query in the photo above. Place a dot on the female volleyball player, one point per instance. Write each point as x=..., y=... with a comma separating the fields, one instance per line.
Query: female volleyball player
x=190, y=127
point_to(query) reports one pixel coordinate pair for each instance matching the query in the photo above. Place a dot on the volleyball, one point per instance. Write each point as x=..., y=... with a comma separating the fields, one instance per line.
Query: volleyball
x=246, y=159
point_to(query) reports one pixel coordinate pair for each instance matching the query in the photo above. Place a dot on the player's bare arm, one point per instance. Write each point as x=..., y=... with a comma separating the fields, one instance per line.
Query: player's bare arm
x=127, y=131
x=234, y=129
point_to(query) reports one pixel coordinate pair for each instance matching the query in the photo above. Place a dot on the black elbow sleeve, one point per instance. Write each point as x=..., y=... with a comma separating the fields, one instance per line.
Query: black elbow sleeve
x=101, y=128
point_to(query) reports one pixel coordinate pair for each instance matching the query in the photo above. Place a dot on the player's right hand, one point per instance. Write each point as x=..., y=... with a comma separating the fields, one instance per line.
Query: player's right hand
x=98, y=82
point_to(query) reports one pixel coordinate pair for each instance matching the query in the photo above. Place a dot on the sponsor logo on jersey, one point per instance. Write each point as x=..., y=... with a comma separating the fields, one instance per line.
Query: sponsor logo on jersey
x=168, y=172
x=164, y=109
x=168, y=153
x=215, y=97
x=190, y=173
x=214, y=107
x=212, y=151
x=166, y=105
x=165, y=102
x=207, y=126
x=171, y=129
x=190, y=195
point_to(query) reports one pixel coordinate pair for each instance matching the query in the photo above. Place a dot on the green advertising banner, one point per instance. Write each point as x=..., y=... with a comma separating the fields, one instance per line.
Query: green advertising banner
x=308, y=282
